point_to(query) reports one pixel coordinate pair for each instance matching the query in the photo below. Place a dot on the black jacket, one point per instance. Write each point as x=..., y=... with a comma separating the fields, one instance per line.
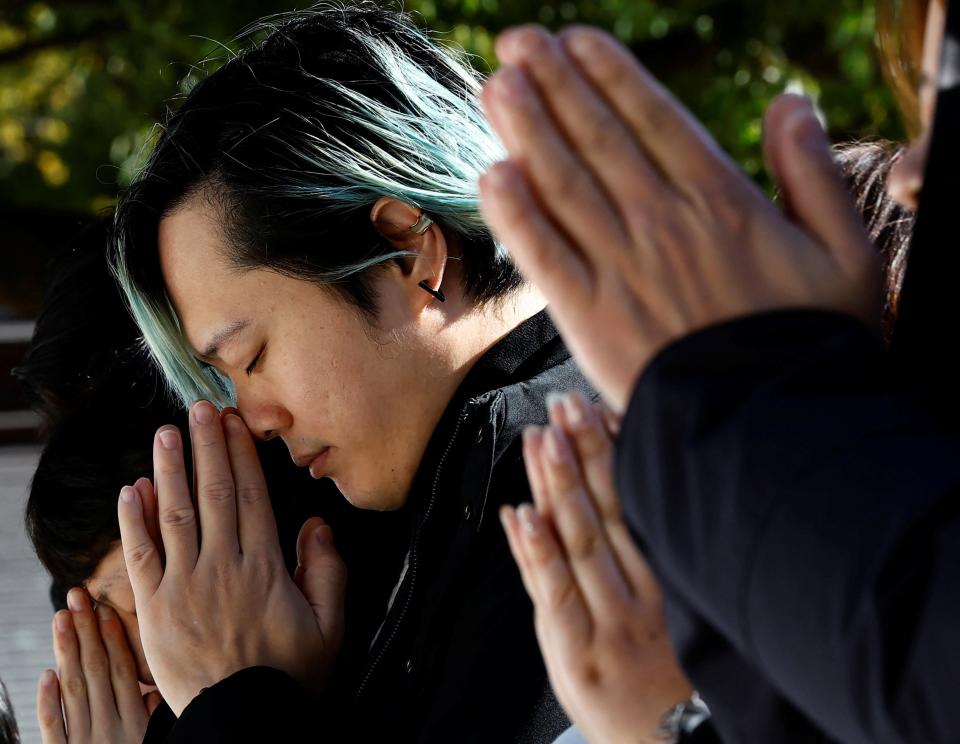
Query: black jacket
x=797, y=488
x=456, y=659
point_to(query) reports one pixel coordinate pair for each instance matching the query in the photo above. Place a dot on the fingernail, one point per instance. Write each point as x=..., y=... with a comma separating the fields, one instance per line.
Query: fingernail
x=528, y=519
x=808, y=129
x=126, y=494
x=554, y=445
x=532, y=436
x=203, y=412
x=104, y=612
x=580, y=44
x=234, y=424
x=573, y=406
x=75, y=600
x=554, y=403
x=48, y=678
x=169, y=439
x=506, y=514
x=62, y=621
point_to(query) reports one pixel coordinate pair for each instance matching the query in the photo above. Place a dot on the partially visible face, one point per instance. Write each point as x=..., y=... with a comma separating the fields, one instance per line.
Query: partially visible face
x=906, y=178
x=110, y=585
x=358, y=403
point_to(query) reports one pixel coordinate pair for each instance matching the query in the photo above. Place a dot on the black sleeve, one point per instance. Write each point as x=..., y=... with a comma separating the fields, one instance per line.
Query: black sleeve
x=802, y=504
x=254, y=705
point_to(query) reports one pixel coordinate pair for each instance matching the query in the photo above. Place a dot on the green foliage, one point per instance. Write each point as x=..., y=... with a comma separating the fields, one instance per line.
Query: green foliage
x=83, y=81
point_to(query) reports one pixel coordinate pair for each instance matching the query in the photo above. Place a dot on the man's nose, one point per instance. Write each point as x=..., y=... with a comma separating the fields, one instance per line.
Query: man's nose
x=266, y=421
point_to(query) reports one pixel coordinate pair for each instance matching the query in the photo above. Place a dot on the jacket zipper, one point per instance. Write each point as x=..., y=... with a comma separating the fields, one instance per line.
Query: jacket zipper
x=408, y=597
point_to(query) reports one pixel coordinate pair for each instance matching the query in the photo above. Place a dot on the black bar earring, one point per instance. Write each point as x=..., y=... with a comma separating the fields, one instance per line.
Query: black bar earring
x=435, y=292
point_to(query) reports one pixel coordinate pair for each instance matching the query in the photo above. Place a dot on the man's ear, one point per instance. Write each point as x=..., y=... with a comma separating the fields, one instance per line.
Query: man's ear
x=394, y=220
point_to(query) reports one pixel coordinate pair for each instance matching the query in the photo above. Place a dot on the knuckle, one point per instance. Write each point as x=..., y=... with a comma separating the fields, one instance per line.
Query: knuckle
x=169, y=468
x=50, y=719
x=583, y=542
x=251, y=494
x=138, y=554
x=74, y=686
x=178, y=516
x=96, y=666
x=122, y=672
x=219, y=490
x=605, y=134
x=568, y=181
x=560, y=596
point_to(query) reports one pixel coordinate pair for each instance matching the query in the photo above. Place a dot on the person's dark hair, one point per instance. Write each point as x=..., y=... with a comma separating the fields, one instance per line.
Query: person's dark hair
x=9, y=734
x=292, y=141
x=83, y=330
x=866, y=167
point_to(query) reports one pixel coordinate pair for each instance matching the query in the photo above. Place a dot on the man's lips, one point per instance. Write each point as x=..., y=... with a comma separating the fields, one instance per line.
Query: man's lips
x=315, y=462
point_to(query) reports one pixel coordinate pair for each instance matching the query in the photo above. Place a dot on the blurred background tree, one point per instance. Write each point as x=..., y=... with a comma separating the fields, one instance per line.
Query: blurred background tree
x=83, y=81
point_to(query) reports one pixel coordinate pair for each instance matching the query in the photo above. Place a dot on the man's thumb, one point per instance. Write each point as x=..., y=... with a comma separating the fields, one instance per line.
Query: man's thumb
x=321, y=576
x=814, y=190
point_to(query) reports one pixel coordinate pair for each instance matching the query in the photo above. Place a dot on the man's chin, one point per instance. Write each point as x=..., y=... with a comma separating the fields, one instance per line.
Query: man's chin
x=371, y=499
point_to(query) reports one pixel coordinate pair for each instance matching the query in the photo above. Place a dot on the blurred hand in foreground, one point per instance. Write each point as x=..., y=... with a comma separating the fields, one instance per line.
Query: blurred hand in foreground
x=96, y=698
x=224, y=601
x=599, y=617
x=633, y=222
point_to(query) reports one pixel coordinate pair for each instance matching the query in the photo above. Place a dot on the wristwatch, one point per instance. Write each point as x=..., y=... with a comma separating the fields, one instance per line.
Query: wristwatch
x=682, y=719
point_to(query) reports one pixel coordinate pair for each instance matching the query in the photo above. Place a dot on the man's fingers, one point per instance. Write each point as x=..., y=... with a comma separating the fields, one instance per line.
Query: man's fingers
x=123, y=669
x=602, y=141
x=256, y=521
x=562, y=615
x=139, y=551
x=817, y=197
x=672, y=138
x=216, y=491
x=532, y=444
x=322, y=577
x=542, y=253
x=177, y=516
x=593, y=446
x=565, y=186
x=93, y=657
x=49, y=711
x=73, y=686
x=581, y=533
x=151, y=512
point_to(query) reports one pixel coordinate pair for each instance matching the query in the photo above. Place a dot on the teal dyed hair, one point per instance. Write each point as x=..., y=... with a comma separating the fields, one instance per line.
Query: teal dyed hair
x=293, y=140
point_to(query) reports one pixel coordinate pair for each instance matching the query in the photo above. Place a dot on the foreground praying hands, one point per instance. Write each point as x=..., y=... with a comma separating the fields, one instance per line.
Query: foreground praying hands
x=96, y=697
x=224, y=602
x=637, y=227
x=599, y=616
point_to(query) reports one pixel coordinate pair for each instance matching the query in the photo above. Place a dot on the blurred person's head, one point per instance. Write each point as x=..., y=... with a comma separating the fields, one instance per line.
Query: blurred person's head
x=9, y=733
x=83, y=330
x=103, y=400
x=911, y=39
x=268, y=255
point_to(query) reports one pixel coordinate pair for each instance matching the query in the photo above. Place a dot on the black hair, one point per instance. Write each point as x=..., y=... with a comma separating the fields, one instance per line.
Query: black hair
x=9, y=734
x=866, y=167
x=267, y=137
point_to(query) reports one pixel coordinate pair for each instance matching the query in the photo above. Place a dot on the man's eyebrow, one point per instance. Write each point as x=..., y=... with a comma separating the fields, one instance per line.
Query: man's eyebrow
x=221, y=337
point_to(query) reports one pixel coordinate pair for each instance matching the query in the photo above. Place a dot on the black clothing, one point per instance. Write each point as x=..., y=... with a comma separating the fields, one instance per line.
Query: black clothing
x=456, y=659
x=927, y=316
x=797, y=489
x=795, y=501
